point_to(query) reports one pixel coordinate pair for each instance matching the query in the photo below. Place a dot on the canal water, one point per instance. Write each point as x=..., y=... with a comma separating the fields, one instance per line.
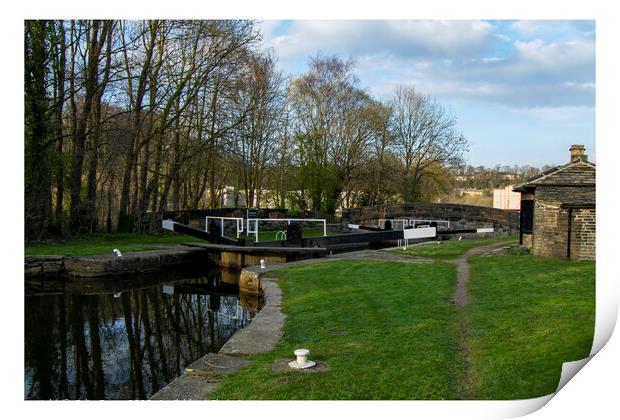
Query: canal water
x=105, y=340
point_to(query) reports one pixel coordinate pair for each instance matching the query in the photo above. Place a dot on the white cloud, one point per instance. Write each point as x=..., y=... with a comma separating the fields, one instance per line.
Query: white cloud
x=555, y=55
x=397, y=38
x=553, y=27
x=458, y=61
x=266, y=28
x=559, y=114
x=527, y=27
x=535, y=74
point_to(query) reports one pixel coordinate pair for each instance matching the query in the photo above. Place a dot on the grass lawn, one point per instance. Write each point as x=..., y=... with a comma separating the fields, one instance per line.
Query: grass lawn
x=386, y=330
x=527, y=316
x=380, y=336
x=104, y=243
x=448, y=250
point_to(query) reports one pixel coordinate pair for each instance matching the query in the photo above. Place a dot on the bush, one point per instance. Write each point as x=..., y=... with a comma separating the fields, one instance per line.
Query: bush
x=518, y=250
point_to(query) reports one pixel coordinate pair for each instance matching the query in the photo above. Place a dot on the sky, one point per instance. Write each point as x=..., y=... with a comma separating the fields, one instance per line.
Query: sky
x=522, y=91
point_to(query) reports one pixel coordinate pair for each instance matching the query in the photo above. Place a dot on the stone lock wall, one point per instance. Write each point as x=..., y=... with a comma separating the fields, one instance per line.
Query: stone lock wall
x=238, y=260
x=460, y=216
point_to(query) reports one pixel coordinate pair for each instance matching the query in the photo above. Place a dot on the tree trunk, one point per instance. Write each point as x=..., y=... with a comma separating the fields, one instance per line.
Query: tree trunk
x=95, y=43
x=37, y=188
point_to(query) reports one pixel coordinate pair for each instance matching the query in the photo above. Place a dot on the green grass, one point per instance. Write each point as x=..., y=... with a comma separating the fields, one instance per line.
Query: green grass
x=104, y=243
x=380, y=336
x=448, y=250
x=527, y=316
x=385, y=330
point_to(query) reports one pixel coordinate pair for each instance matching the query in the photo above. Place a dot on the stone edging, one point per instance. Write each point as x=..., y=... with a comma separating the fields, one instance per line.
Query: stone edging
x=109, y=265
x=261, y=335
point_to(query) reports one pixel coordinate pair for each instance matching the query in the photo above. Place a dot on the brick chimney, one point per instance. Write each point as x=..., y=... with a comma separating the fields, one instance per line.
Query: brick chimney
x=578, y=152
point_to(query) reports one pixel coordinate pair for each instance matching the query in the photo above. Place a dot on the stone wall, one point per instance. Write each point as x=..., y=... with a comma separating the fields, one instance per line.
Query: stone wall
x=238, y=260
x=527, y=240
x=550, y=237
x=583, y=234
x=109, y=265
x=551, y=223
x=460, y=216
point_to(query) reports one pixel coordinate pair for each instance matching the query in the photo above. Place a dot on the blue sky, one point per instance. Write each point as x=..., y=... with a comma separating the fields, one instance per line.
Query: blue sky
x=522, y=91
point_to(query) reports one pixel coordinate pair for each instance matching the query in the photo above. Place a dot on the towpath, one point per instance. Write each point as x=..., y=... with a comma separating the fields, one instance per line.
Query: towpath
x=461, y=298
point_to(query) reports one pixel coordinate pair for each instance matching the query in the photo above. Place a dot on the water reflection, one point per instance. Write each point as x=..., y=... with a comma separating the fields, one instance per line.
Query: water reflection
x=98, y=340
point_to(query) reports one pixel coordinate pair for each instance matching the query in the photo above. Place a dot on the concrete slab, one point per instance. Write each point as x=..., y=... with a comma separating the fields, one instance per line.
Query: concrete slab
x=213, y=365
x=264, y=331
x=186, y=387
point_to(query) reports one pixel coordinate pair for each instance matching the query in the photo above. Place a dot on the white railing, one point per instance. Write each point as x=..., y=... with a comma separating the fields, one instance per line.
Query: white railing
x=254, y=229
x=251, y=225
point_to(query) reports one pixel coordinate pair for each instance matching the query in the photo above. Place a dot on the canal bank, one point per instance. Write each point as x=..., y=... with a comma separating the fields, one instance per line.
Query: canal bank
x=113, y=265
x=163, y=259
x=261, y=335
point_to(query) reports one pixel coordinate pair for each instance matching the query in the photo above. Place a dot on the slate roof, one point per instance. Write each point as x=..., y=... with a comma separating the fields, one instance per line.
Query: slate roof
x=580, y=172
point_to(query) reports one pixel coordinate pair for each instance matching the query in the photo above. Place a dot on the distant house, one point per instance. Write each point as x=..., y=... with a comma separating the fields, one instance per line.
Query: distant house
x=558, y=212
x=508, y=175
x=469, y=191
x=506, y=199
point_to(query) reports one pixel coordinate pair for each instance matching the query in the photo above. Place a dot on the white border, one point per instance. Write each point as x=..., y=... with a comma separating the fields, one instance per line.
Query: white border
x=594, y=390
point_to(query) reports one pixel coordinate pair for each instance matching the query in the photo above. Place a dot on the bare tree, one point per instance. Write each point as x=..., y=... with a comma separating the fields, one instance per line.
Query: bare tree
x=333, y=131
x=424, y=136
x=255, y=140
x=96, y=36
x=127, y=119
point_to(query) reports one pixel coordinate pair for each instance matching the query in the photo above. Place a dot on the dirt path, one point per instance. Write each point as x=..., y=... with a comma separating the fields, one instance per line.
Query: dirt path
x=460, y=299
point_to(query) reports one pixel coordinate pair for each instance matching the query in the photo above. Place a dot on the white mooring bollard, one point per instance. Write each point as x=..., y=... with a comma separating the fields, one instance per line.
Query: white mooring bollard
x=262, y=264
x=302, y=361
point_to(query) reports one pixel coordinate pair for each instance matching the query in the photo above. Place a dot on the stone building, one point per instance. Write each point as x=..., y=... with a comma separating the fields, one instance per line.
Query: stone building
x=558, y=212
